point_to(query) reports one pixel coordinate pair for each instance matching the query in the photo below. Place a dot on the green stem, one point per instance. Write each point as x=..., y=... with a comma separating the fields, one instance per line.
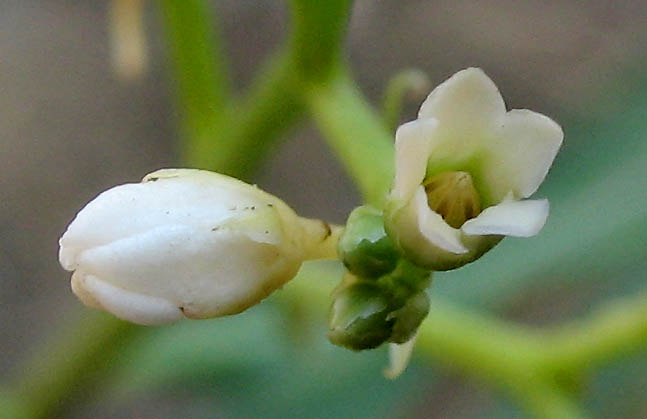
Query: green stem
x=199, y=69
x=272, y=105
x=318, y=30
x=355, y=133
x=482, y=346
x=485, y=348
x=495, y=351
x=233, y=139
x=611, y=332
x=545, y=401
x=404, y=84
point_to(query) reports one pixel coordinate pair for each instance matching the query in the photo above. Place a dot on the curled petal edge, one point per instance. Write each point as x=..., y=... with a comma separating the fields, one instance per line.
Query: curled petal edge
x=413, y=144
x=510, y=218
x=405, y=222
x=130, y=306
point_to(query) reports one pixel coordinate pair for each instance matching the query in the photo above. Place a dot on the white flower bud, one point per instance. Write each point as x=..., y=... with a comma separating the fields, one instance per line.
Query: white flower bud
x=185, y=242
x=463, y=169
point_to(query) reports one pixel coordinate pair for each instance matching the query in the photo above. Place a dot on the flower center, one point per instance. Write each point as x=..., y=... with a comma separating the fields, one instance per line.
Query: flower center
x=453, y=196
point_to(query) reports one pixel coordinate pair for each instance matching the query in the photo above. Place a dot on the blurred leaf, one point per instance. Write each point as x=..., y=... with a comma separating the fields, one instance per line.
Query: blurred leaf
x=11, y=406
x=242, y=343
x=246, y=364
x=619, y=389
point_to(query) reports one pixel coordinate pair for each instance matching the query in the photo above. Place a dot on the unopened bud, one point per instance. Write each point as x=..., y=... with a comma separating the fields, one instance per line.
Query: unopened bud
x=364, y=246
x=185, y=243
x=359, y=316
x=405, y=280
x=409, y=317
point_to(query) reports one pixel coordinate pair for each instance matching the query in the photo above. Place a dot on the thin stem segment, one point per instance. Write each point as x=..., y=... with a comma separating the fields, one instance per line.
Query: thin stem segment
x=199, y=69
x=356, y=134
x=407, y=83
x=320, y=239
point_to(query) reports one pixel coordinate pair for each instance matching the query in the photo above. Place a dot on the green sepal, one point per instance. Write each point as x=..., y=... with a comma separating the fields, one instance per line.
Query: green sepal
x=405, y=280
x=409, y=318
x=359, y=317
x=364, y=247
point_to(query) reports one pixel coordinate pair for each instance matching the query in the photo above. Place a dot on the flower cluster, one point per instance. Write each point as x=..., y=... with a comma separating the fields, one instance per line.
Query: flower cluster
x=463, y=171
x=382, y=296
x=198, y=244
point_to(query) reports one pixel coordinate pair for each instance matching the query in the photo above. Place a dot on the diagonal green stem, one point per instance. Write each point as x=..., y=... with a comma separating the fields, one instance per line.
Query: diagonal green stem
x=232, y=139
x=69, y=368
x=509, y=355
x=254, y=123
x=610, y=332
x=355, y=132
x=496, y=351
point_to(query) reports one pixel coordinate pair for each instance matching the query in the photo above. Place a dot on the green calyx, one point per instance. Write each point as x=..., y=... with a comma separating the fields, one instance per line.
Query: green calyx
x=405, y=280
x=364, y=247
x=359, y=316
x=365, y=314
x=409, y=317
x=382, y=296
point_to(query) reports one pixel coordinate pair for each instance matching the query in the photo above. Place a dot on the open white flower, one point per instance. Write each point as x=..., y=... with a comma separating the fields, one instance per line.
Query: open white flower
x=185, y=242
x=463, y=169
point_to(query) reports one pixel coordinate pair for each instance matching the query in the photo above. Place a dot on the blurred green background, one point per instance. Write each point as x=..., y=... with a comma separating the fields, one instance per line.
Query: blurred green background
x=71, y=128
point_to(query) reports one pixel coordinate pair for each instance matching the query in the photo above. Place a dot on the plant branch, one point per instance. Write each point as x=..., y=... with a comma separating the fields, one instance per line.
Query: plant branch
x=318, y=30
x=509, y=355
x=407, y=83
x=356, y=134
x=198, y=66
x=255, y=122
x=612, y=331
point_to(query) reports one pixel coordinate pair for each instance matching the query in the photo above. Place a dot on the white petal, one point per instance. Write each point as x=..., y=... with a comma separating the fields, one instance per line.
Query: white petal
x=468, y=102
x=399, y=356
x=208, y=273
x=434, y=228
x=78, y=288
x=510, y=218
x=523, y=152
x=170, y=196
x=413, y=142
x=137, y=308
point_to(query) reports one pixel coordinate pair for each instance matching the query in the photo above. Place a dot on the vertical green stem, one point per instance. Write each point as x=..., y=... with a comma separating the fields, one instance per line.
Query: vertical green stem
x=317, y=36
x=199, y=69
